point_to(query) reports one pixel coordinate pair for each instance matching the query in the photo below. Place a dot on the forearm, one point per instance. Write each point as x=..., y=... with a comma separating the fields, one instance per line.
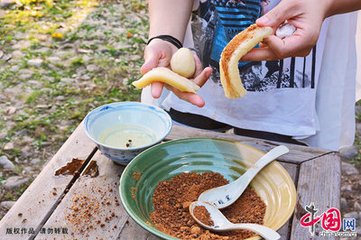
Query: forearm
x=169, y=17
x=342, y=6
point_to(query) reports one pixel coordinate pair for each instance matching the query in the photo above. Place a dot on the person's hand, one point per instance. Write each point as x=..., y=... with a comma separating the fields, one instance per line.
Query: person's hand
x=306, y=15
x=158, y=54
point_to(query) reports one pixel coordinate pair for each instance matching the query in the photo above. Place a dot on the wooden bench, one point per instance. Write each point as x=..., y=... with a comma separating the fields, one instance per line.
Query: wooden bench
x=41, y=212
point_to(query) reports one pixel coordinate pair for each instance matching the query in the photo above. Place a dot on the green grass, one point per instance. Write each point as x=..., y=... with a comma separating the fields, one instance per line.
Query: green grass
x=77, y=62
x=34, y=96
x=2, y=180
x=39, y=21
x=13, y=195
x=357, y=159
x=42, y=18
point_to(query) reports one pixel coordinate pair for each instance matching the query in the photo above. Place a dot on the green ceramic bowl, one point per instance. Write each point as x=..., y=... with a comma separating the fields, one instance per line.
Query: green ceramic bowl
x=231, y=159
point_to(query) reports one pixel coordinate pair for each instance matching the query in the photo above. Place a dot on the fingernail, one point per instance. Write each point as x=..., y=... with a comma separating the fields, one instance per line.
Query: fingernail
x=143, y=68
x=264, y=20
x=209, y=73
x=146, y=68
x=200, y=105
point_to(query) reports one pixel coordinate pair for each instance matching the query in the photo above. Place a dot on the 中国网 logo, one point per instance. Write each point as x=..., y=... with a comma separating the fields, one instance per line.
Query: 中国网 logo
x=331, y=222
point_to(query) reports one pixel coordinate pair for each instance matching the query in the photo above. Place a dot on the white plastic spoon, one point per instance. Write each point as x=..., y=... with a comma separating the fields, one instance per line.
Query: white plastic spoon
x=221, y=223
x=225, y=195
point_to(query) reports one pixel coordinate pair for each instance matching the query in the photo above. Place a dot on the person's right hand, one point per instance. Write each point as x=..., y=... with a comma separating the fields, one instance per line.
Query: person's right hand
x=158, y=54
x=306, y=15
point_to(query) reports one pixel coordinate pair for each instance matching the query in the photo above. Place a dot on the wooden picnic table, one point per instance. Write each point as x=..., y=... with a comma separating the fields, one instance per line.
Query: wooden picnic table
x=42, y=212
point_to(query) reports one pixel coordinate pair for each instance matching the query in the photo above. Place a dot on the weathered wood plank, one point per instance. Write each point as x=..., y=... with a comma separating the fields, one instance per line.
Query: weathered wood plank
x=297, y=154
x=98, y=196
x=292, y=170
x=319, y=183
x=132, y=230
x=39, y=204
x=38, y=201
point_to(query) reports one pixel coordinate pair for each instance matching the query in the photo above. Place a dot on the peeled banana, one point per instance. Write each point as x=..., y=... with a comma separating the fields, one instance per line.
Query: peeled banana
x=165, y=75
x=241, y=44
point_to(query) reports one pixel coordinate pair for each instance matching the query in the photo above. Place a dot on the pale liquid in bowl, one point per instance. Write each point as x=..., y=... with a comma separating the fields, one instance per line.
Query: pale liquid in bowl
x=127, y=136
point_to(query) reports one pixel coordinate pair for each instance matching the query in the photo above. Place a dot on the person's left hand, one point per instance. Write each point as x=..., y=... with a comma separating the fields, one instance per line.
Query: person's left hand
x=306, y=15
x=158, y=54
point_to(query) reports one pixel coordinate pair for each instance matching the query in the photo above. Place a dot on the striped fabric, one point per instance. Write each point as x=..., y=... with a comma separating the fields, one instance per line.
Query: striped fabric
x=233, y=17
x=225, y=19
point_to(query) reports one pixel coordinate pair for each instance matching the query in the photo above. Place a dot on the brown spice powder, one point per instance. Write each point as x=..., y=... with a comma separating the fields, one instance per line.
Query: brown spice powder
x=133, y=192
x=202, y=214
x=136, y=175
x=171, y=215
x=81, y=213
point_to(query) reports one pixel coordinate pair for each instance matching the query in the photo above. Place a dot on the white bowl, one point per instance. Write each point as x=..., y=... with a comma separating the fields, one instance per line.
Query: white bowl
x=122, y=130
